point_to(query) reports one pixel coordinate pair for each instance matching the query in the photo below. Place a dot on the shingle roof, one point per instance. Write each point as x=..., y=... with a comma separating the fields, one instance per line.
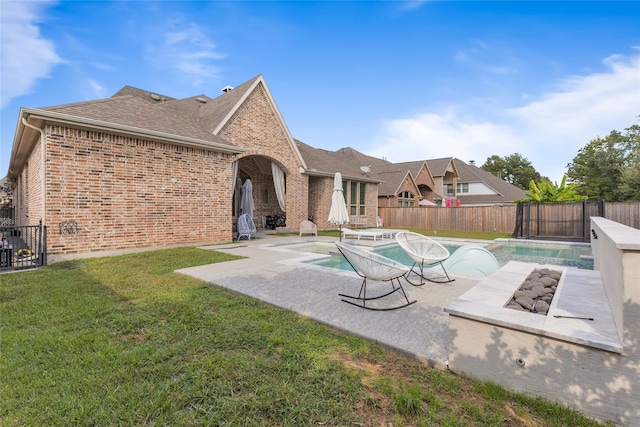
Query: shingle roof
x=391, y=181
x=470, y=173
x=346, y=160
x=415, y=167
x=145, y=95
x=132, y=111
x=209, y=114
x=438, y=167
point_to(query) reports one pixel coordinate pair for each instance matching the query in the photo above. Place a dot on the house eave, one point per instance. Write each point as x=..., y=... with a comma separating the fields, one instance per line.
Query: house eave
x=25, y=138
x=322, y=174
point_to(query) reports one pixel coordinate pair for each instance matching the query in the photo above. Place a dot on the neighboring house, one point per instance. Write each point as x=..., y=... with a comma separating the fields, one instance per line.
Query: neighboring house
x=406, y=184
x=142, y=169
x=477, y=187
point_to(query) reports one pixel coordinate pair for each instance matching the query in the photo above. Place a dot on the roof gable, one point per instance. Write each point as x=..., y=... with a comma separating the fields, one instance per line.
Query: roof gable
x=208, y=113
x=393, y=181
x=471, y=173
x=440, y=167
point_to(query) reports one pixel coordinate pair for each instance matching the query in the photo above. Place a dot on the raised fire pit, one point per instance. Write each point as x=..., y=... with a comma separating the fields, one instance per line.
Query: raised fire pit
x=537, y=291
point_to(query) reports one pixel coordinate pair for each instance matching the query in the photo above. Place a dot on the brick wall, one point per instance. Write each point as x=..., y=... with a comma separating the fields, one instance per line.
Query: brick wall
x=28, y=194
x=126, y=192
x=256, y=126
x=320, y=191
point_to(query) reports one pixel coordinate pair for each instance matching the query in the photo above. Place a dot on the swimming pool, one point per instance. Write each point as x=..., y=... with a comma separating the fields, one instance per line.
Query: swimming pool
x=505, y=250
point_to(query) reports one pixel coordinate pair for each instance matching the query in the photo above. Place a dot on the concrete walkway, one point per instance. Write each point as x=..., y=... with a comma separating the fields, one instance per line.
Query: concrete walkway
x=278, y=277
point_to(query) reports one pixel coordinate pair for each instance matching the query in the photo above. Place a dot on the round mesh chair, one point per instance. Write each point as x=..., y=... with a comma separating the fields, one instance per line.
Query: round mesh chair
x=424, y=252
x=369, y=265
x=246, y=227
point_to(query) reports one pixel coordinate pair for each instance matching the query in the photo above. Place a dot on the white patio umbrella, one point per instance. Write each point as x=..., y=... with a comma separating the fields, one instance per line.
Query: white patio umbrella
x=338, y=214
x=246, y=203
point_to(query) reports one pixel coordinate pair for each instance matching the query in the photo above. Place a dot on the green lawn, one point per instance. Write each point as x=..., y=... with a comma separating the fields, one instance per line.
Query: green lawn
x=125, y=341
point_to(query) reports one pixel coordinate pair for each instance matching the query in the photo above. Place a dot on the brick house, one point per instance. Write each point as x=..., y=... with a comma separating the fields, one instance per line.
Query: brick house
x=142, y=169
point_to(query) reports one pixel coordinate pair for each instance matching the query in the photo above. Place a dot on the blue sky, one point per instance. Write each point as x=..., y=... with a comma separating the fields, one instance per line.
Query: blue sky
x=404, y=80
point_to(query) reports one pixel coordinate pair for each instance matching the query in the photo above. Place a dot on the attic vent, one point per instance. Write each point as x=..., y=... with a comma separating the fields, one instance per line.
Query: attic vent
x=227, y=89
x=472, y=162
x=200, y=99
x=155, y=97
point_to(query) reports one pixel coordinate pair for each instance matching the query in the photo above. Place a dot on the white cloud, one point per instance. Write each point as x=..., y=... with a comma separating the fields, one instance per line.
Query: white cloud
x=188, y=50
x=26, y=57
x=548, y=131
x=97, y=88
x=441, y=135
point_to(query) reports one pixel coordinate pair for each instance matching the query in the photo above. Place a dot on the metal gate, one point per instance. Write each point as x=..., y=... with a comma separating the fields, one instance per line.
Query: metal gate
x=23, y=246
x=556, y=221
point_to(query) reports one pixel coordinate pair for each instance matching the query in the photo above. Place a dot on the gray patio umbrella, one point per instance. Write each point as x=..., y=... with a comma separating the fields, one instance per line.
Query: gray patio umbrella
x=246, y=203
x=338, y=214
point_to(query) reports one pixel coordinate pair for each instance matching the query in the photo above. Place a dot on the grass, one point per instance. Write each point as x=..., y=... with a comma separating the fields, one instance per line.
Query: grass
x=126, y=341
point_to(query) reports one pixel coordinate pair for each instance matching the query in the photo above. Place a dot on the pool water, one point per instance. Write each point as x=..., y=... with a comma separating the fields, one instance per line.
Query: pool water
x=504, y=251
x=543, y=253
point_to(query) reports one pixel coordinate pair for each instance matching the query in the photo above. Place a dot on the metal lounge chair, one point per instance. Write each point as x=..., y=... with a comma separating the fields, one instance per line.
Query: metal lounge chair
x=374, y=234
x=246, y=227
x=424, y=252
x=369, y=265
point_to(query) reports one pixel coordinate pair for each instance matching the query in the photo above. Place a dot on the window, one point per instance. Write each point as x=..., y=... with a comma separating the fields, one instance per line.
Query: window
x=463, y=188
x=406, y=199
x=447, y=189
x=357, y=197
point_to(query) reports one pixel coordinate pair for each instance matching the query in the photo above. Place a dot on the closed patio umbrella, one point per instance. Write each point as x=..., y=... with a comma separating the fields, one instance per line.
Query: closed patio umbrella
x=338, y=214
x=246, y=203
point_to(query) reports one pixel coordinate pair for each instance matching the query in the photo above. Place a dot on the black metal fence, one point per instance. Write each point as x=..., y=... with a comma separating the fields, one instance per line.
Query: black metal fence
x=7, y=215
x=557, y=221
x=23, y=246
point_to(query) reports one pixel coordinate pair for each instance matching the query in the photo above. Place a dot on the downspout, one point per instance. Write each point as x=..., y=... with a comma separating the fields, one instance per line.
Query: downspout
x=44, y=163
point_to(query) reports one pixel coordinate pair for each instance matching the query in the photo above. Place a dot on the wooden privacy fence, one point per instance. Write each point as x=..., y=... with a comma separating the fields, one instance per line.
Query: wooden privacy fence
x=566, y=218
x=502, y=219
x=623, y=213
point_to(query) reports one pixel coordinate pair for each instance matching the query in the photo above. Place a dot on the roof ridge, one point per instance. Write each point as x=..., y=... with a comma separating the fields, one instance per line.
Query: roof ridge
x=90, y=102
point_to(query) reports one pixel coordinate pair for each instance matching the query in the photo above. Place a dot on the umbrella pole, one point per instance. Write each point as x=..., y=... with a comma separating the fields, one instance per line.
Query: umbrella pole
x=341, y=232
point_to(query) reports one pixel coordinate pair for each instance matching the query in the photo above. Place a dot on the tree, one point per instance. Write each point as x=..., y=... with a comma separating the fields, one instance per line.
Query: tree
x=630, y=186
x=546, y=192
x=514, y=169
x=6, y=191
x=609, y=168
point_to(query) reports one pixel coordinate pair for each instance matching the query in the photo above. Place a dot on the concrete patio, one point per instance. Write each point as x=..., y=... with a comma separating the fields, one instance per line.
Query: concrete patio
x=278, y=277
